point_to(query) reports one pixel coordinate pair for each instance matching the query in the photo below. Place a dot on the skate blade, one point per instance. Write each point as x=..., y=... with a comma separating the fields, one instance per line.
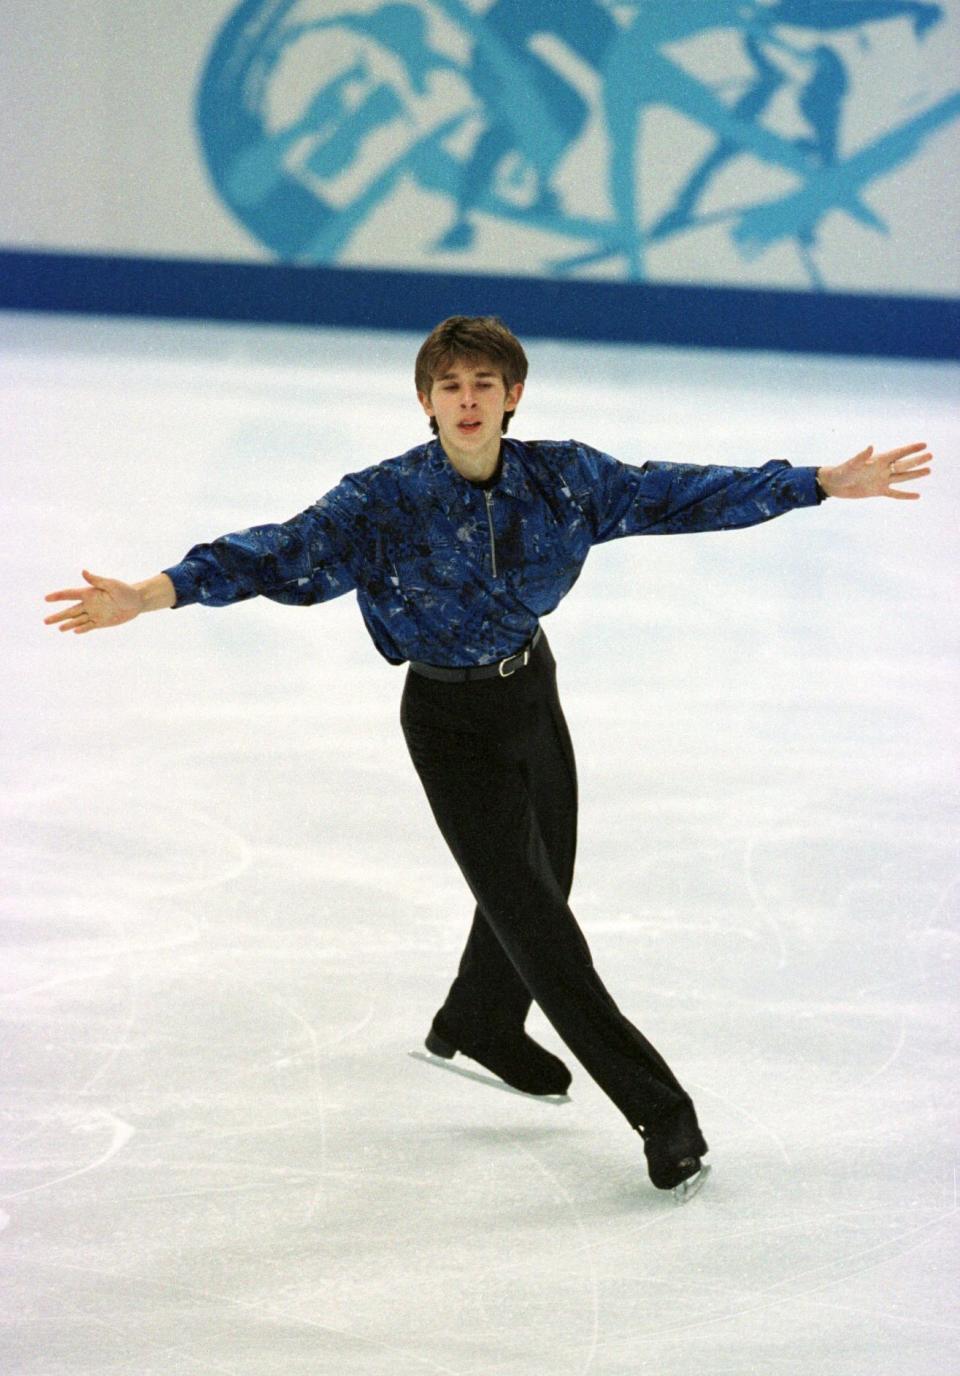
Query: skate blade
x=688, y=1188
x=490, y=1080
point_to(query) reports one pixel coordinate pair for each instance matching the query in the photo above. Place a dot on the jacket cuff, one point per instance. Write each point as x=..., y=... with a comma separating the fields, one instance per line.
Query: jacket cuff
x=810, y=491
x=184, y=583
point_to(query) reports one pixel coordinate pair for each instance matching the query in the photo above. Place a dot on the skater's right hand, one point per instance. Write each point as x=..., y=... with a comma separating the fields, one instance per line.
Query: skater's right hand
x=106, y=602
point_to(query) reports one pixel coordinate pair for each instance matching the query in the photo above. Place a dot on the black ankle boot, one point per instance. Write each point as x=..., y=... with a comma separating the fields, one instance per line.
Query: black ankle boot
x=673, y=1147
x=517, y=1059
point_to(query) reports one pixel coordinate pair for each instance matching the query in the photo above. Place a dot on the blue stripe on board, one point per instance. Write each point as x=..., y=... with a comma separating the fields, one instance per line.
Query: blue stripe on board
x=617, y=312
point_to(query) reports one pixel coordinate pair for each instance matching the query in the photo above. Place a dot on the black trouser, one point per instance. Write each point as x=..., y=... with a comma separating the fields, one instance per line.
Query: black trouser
x=496, y=761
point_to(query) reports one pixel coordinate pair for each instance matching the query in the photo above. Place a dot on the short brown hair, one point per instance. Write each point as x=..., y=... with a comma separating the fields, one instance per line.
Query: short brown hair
x=468, y=338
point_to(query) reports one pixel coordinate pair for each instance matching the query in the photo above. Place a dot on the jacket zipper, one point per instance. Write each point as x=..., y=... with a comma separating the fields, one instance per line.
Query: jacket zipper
x=488, y=498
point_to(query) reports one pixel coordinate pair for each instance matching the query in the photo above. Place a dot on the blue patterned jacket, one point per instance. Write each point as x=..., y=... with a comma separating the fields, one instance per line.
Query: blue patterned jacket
x=452, y=574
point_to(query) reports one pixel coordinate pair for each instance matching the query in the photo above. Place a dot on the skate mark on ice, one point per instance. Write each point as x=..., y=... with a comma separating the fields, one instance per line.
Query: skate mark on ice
x=757, y=899
x=239, y=865
x=86, y=1122
x=79, y=1118
x=131, y=977
x=750, y=1117
x=884, y=1065
x=923, y=927
x=768, y=1297
x=864, y=1311
x=124, y=949
x=311, y=1056
x=262, y=1307
x=44, y=986
x=318, y=1114
x=774, y=1230
x=888, y=1250
x=161, y=1349
x=116, y=957
x=556, y=1100
x=587, y=1247
x=293, y=1059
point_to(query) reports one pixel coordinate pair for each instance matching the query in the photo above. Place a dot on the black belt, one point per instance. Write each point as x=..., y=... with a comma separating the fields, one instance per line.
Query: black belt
x=505, y=668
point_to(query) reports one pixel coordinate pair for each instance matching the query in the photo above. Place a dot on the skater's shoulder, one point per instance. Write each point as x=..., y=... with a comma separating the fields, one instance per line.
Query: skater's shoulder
x=554, y=453
x=555, y=462
x=394, y=468
x=403, y=467
x=387, y=477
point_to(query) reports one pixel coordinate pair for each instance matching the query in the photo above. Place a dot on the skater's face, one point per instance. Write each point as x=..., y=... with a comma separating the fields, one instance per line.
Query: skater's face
x=468, y=401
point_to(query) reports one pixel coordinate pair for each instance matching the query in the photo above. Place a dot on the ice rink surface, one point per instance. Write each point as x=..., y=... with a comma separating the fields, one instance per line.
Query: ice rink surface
x=227, y=917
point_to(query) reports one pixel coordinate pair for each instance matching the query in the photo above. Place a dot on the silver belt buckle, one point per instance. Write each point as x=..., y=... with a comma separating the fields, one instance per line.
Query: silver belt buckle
x=526, y=661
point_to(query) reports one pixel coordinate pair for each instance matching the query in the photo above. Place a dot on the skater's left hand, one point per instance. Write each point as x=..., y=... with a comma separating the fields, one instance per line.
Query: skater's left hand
x=872, y=475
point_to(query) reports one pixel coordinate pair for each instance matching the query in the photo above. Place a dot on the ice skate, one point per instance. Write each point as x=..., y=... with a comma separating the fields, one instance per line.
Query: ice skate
x=518, y=1063
x=691, y=1186
x=673, y=1148
x=491, y=1081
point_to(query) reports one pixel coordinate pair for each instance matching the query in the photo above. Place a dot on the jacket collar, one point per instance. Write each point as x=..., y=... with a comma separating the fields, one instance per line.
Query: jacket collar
x=453, y=490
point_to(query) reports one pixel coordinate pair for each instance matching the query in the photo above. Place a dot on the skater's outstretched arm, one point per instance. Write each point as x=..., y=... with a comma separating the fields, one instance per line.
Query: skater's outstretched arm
x=109, y=602
x=300, y=562
x=872, y=475
x=681, y=498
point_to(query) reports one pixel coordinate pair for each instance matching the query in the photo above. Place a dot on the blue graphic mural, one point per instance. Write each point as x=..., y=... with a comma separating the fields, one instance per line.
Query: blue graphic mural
x=315, y=117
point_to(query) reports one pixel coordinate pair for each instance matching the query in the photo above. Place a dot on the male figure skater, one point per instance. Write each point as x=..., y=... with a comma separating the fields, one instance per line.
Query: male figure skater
x=456, y=550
